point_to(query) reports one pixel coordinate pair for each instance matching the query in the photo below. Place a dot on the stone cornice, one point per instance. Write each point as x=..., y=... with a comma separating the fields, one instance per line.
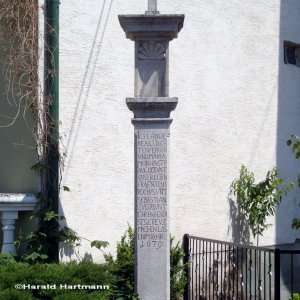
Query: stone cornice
x=152, y=107
x=17, y=202
x=145, y=26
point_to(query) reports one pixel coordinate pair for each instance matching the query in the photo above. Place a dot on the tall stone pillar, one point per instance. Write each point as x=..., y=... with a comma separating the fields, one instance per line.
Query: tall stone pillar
x=151, y=106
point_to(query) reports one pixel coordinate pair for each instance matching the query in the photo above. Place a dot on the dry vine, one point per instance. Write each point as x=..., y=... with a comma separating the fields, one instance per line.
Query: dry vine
x=19, y=48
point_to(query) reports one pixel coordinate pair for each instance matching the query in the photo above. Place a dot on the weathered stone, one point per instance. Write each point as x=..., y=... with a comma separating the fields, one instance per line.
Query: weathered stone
x=152, y=7
x=145, y=27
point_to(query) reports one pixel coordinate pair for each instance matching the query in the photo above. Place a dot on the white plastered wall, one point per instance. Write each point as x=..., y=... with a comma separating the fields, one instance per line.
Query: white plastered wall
x=224, y=68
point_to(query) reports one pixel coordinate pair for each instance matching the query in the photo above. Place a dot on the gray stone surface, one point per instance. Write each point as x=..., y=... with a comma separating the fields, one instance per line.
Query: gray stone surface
x=151, y=107
x=152, y=7
x=151, y=68
x=151, y=34
x=152, y=253
x=151, y=26
x=152, y=209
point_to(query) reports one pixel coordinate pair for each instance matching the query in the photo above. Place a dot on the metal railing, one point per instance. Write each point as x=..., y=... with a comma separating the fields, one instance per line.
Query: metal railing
x=223, y=270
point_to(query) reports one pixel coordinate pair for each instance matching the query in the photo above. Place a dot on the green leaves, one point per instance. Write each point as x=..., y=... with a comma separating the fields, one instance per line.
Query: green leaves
x=296, y=223
x=295, y=297
x=39, y=167
x=258, y=201
x=69, y=236
x=99, y=244
x=7, y=258
x=177, y=271
x=66, y=189
x=34, y=256
x=294, y=142
x=51, y=215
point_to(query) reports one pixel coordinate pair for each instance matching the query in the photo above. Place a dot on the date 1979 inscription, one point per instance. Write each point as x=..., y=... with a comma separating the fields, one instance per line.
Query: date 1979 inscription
x=151, y=189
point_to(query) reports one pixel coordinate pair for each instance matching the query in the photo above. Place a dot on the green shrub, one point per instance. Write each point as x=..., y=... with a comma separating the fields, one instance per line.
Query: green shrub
x=178, y=278
x=7, y=259
x=12, y=294
x=123, y=268
x=41, y=274
x=117, y=273
x=295, y=297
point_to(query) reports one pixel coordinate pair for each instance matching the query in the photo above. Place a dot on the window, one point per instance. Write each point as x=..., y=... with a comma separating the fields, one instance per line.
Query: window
x=291, y=53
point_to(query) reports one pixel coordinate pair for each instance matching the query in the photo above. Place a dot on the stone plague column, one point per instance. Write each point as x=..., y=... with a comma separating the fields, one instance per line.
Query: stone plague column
x=151, y=106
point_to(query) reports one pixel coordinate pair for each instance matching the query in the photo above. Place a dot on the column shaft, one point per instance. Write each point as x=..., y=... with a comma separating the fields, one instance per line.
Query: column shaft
x=152, y=255
x=8, y=226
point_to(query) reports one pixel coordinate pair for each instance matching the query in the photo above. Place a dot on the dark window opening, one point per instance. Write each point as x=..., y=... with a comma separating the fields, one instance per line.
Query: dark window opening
x=292, y=53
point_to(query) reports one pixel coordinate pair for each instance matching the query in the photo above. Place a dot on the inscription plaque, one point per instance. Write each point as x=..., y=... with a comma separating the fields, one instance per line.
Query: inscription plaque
x=152, y=245
x=151, y=198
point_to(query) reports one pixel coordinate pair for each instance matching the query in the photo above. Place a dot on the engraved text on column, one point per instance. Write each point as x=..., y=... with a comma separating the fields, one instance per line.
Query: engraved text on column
x=151, y=189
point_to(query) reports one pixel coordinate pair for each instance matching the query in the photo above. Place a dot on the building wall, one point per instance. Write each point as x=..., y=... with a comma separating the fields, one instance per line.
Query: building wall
x=224, y=68
x=288, y=116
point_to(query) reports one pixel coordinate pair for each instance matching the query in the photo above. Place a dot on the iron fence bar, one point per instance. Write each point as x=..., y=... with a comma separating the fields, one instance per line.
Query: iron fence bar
x=206, y=269
x=246, y=273
x=292, y=279
x=233, y=273
x=265, y=288
x=285, y=251
x=242, y=274
x=277, y=274
x=193, y=263
x=203, y=280
x=259, y=276
x=186, y=260
x=255, y=272
x=270, y=277
x=222, y=290
x=196, y=269
x=213, y=270
x=239, y=245
x=209, y=272
x=264, y=276
x=199, y=269
x=236, y=272
x=217, y=273
x=250, y=273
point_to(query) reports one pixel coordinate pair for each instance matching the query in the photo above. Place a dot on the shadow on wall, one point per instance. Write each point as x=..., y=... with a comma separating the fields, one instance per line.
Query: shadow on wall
x=288, y=123
x=240, y=231
x=288, y=120
x=69, y=252
x=87, y=80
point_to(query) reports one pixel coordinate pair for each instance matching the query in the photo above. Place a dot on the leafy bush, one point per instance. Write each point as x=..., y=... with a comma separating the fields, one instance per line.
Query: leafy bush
x=295, y=297
x=7, y=259
x=178, y=270
x=42, y=274
x=123, y=268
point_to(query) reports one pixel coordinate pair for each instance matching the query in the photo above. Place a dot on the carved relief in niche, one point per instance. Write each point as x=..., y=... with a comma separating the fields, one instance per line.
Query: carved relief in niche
x=152, y=50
